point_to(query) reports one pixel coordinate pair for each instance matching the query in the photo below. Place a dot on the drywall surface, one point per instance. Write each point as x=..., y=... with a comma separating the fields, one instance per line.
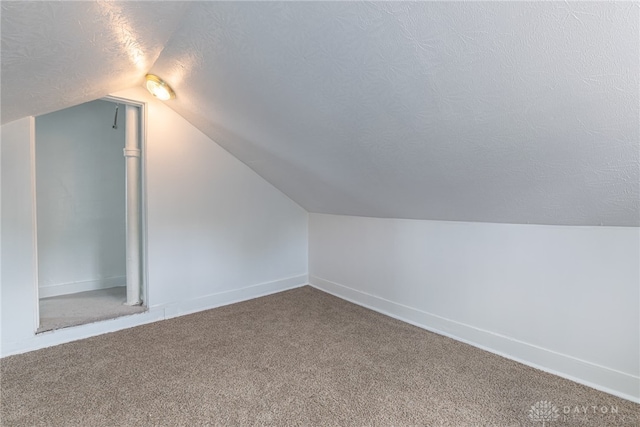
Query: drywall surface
x=565, y=299
x=213, y=224
x=80, y=198
x=216, y=232
x=18, y=281
x=511, y=112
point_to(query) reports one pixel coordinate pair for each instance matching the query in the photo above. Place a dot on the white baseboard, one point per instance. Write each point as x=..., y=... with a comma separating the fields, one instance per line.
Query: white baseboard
x=154, y=314
x=232, y=296
x=592, y=375
x=74, y=333
x=72, y=288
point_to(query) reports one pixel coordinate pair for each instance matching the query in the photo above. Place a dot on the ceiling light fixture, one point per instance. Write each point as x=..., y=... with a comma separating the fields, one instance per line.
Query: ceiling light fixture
x=159, y=88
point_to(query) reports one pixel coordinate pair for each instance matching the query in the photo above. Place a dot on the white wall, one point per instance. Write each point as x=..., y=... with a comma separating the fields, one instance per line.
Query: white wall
x=80, y=199
x=18, y=287
x=217, y=232
x=562, y=298
x=214, y=225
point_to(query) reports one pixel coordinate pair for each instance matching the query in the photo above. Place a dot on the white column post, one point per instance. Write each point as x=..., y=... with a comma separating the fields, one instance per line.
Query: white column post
x=133, y=250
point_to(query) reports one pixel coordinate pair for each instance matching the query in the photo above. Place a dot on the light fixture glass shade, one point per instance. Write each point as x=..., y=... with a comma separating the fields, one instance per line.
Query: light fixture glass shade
x=159, y=88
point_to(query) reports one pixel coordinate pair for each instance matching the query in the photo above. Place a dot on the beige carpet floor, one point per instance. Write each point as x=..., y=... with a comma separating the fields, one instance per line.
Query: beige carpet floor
x=300, y=357
x=85, y=307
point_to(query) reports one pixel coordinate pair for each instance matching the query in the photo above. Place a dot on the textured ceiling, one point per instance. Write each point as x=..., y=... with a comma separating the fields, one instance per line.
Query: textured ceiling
x=519, y=112
x=59, y=54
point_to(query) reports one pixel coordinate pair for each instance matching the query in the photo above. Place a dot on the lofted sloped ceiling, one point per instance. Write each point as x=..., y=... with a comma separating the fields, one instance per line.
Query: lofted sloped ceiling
x=57, y=54
x=516, y=112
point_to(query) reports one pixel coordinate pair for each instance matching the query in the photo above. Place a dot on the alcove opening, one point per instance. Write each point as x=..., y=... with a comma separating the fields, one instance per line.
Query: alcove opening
x=89, y=213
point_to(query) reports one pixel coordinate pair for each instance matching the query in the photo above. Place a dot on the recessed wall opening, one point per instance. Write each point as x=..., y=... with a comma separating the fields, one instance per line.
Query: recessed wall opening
x=88, y=163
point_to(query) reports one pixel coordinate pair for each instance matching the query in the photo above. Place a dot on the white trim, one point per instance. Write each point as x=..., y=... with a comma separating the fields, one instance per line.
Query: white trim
x=609, y=380
x=142, y=131
x=34, y=220
x=125, y=101
x=89, y=285
x=62, y=336
x=232, y=296
x=144, y=257
x=154, y=314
